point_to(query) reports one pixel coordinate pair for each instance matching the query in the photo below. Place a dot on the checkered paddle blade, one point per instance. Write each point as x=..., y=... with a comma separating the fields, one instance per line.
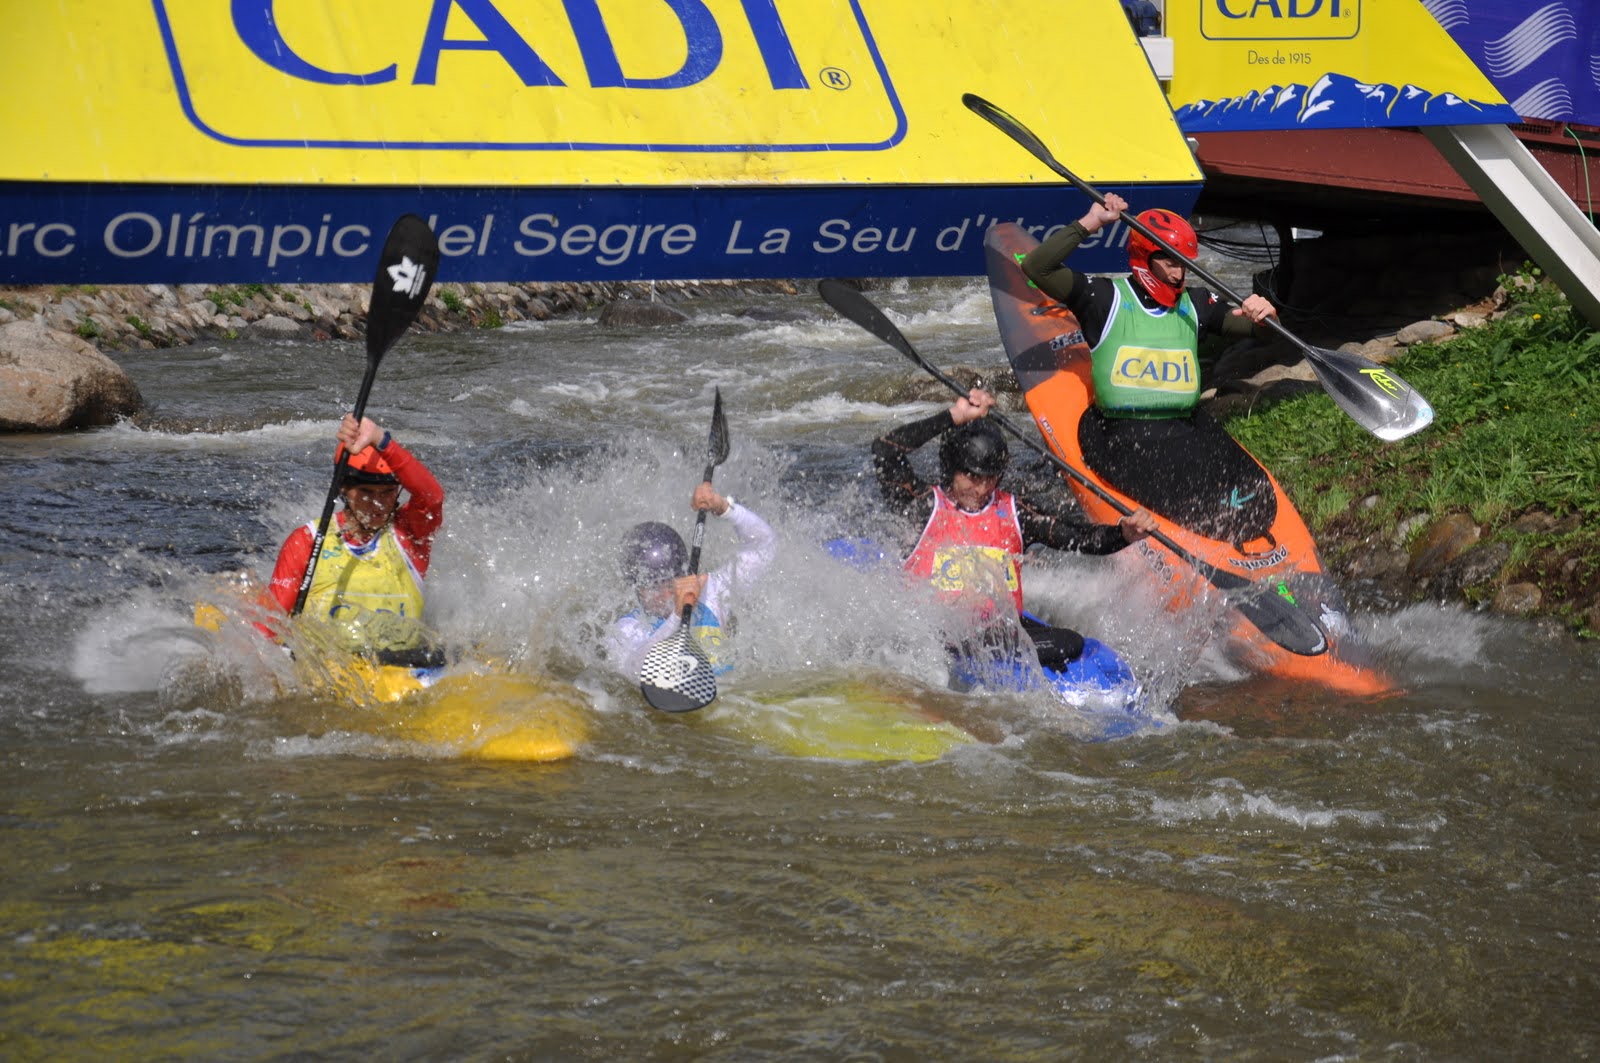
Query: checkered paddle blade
x=676, y=675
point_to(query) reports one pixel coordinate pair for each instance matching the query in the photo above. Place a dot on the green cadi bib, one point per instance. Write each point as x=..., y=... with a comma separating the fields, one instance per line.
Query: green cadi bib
x=1145, y=364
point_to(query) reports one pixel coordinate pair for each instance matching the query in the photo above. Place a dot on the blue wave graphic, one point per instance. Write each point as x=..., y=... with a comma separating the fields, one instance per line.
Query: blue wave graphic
x=1546, y=28
x=1543, y=56
x=1336, y=101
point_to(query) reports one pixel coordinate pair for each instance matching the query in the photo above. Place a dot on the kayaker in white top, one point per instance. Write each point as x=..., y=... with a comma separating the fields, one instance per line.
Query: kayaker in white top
x=655, y=562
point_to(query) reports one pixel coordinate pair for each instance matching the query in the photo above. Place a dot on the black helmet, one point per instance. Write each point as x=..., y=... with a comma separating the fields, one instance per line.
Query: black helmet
x=652, y=552
x=976, y=447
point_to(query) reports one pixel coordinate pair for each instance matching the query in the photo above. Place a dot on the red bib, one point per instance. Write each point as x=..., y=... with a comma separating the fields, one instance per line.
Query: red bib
x=971, y=557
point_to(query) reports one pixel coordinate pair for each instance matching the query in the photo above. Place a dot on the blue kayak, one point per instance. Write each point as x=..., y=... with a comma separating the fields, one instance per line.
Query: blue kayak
x=1098, y=684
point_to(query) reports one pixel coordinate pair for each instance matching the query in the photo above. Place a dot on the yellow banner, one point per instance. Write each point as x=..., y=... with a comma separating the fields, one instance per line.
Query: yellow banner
x=1329, y=64
x=527, y=93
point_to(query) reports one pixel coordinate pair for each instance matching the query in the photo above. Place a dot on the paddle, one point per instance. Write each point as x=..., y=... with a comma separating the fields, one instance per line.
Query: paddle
x=1268, y=610
x=676, y=675
x=406, y=269
x=1374, y=397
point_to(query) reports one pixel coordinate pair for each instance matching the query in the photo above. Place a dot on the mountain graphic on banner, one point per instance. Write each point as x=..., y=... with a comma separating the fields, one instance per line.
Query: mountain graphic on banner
x=1335, y=101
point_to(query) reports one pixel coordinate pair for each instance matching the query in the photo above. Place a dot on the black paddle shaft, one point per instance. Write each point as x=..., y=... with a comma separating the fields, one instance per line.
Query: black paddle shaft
x=676, y=675
x=716, y=454
x=406, y=269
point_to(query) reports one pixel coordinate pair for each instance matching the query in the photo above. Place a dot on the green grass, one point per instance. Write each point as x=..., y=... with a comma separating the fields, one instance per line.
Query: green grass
x=1516, y=430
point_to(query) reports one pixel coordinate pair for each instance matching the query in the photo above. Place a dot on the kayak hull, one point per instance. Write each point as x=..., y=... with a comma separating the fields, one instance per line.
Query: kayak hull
x=1048, y=353
x=1098, y=685
x=848, y=719
x=471, y=715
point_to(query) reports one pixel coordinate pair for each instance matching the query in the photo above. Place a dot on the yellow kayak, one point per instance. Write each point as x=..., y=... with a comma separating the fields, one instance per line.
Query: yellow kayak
x=477, y=715
x=846, y=719
x=491, y=716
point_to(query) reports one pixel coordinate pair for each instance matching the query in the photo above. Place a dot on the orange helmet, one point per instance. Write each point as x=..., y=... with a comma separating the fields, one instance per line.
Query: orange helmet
x=365, y=469
x=1176, y=232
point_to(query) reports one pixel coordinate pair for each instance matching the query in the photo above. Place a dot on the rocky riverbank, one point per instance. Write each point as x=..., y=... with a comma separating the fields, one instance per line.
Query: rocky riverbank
x=54, y=374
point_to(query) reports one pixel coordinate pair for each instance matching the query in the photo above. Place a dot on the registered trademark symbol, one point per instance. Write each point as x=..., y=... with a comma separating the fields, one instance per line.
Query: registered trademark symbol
x=834, y=78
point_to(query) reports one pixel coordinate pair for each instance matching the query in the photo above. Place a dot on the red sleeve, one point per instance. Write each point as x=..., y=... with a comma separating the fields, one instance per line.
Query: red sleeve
x=293, y=557
x=420, y=517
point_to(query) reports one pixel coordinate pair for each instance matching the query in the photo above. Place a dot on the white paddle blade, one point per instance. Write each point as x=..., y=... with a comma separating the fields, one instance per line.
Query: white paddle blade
x=677, y=676
x=1372, y=395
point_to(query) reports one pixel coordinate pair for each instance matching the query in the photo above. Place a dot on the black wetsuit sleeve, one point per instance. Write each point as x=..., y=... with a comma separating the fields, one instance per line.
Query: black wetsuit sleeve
x=1215, y=315
x=1067, y=533
x=1089, y=298
x=903, y=491
x=1046, y=265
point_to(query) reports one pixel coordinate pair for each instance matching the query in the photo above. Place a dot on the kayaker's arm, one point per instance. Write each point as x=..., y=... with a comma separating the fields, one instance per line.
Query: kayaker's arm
x=905, y=492
x=1217, y=317
x=1046, y=264
x=423, y=512
x=757, y=543
x=633, y=636
x=1067, y=533
x=289, y=570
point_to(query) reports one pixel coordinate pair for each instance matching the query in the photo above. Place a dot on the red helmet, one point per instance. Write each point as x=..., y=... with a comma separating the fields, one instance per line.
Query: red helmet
x=365, y=469
x=1177, y=233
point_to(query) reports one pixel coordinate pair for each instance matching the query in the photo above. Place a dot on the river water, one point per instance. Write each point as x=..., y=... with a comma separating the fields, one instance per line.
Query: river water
x=219, y=871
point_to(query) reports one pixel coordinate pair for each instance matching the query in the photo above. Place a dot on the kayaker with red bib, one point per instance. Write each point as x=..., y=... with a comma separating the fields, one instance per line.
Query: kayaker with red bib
x=1144, y=332
x=368, y=580
x=974, y=534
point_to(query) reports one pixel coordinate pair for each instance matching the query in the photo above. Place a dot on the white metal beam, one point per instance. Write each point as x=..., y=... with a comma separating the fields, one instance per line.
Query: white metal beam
x=1530, y=204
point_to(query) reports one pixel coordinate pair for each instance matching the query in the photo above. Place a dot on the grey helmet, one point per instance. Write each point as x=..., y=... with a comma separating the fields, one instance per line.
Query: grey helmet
x=652, y=552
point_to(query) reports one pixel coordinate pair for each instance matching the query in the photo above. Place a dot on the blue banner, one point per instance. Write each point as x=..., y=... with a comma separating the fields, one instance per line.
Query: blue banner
x=225, y=234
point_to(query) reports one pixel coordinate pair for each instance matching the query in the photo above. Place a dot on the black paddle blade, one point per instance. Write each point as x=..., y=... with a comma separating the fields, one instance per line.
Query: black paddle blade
x=858, y=308
x=1374, y=396
x=676, y=675
x=1283, y=622
x=406, y=270
x=717, y=451
x=1013, y=129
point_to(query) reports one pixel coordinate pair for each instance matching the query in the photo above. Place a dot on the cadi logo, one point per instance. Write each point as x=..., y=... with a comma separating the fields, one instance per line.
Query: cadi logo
x=680, y=75
x=1266, y=20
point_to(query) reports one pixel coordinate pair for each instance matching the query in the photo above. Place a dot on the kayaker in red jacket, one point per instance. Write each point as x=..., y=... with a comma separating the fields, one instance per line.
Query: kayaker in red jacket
x=368, y=580
x=974, y=534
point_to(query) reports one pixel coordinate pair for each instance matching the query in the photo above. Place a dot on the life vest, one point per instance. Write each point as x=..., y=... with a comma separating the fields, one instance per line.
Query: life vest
x=1146, y=364
x=354, y=584
x=704, y=625
x=971, y=557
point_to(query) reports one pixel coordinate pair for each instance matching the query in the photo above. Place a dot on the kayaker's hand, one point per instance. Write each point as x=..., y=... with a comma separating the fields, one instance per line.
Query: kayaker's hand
x=358, y=437
x=1102, y=214
x=706, y=497
x=1137, y=525
x=975, y=404
x=686, y=590
x=1256, y=308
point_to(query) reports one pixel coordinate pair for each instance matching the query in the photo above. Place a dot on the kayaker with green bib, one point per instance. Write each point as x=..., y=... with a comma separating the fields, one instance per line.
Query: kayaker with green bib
x=1144, y=333
x=368, y=581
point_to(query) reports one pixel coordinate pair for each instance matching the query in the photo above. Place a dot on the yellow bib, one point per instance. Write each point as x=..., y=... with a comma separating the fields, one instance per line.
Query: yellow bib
x=353, y=592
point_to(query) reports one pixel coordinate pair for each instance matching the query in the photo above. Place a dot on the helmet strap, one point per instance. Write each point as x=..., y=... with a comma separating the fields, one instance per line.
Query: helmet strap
x=1161, y=292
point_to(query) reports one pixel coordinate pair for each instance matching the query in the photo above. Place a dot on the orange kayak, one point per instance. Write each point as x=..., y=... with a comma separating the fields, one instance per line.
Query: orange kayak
x=1212, y=498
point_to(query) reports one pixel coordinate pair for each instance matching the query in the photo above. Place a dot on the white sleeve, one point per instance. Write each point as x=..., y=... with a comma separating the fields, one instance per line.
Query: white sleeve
x=757, y=548
x=631, y=637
